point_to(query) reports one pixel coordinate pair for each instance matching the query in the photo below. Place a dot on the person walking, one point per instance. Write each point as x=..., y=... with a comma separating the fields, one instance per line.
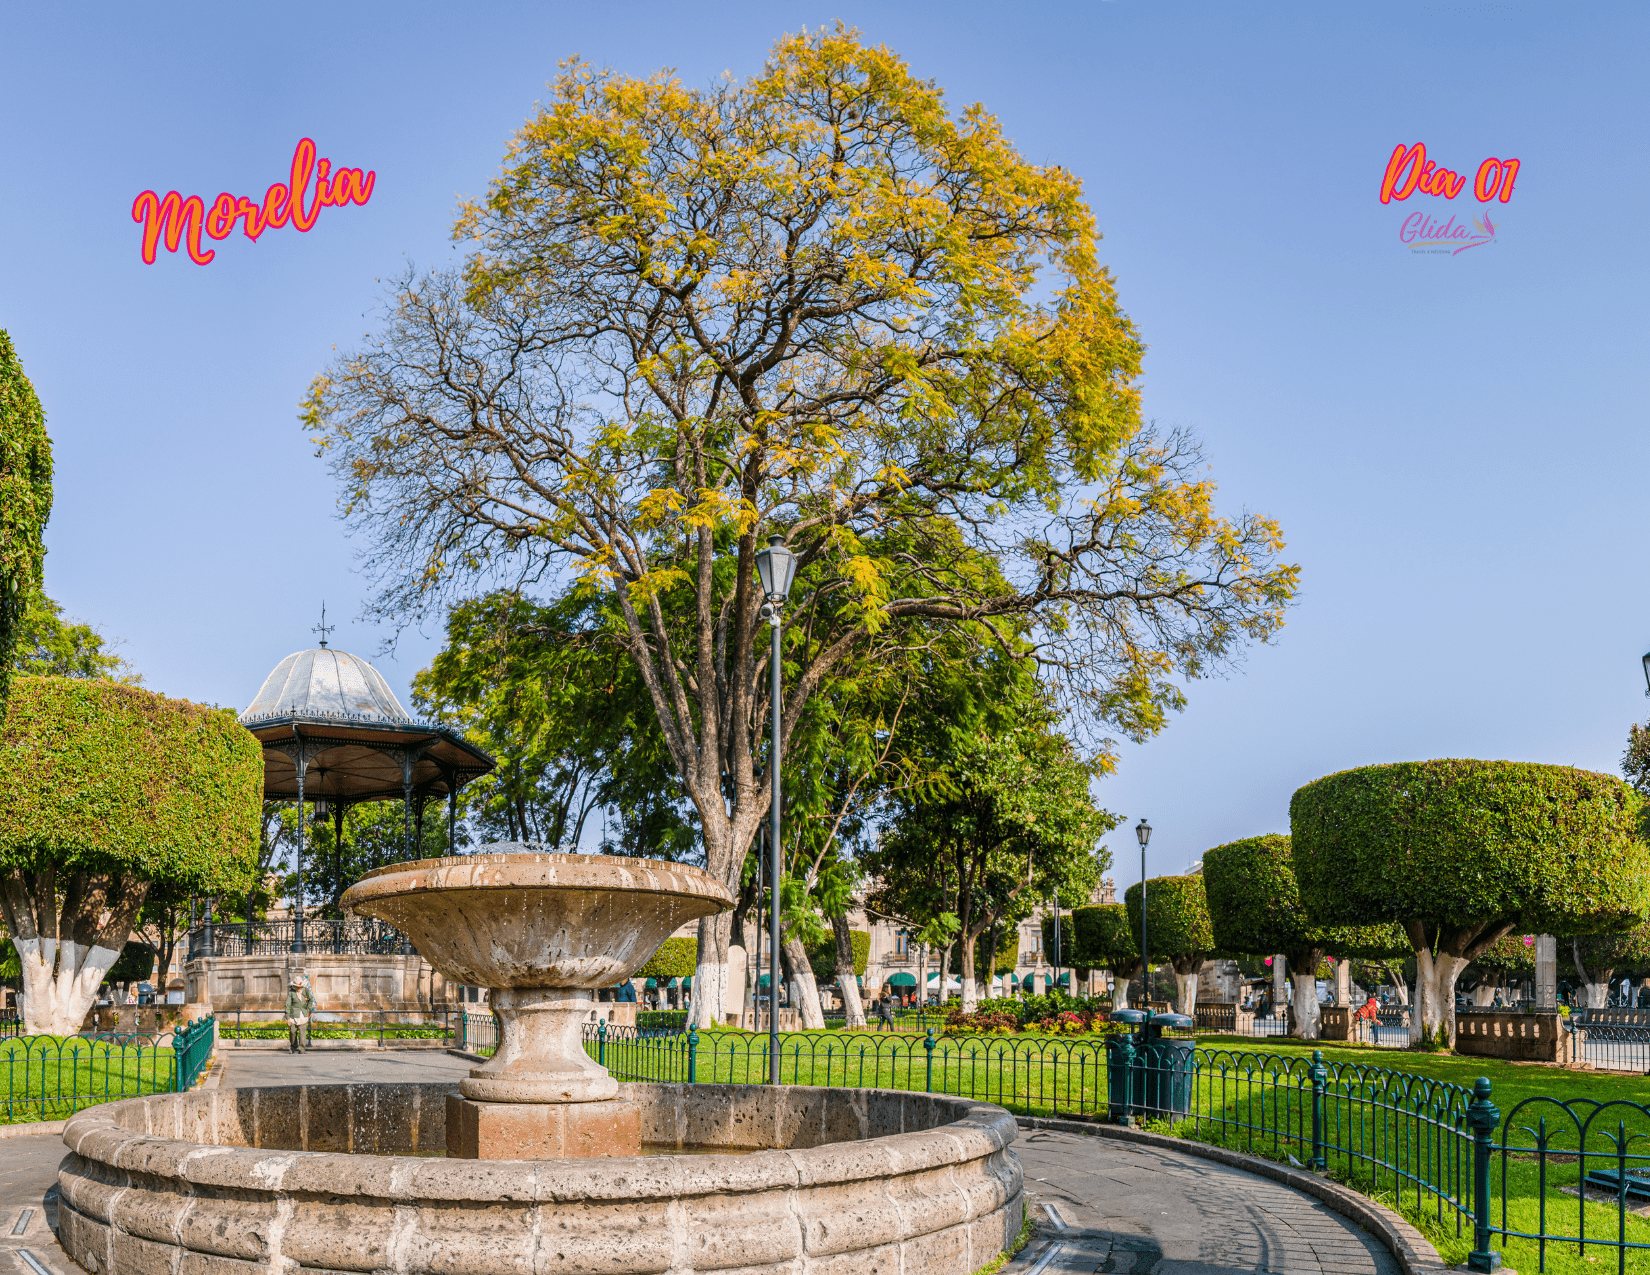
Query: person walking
x=885, y=1012
x=299, y=1004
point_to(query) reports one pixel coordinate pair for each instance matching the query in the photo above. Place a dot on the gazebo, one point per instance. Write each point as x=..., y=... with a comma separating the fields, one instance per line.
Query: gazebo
x=334, y=734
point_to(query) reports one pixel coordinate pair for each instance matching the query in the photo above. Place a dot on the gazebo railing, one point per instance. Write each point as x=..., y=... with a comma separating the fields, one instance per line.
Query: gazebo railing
x=357, y=936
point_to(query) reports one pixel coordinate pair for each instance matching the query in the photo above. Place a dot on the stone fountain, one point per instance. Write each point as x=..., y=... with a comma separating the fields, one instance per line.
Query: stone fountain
x=530, y=1165
x=542, y=932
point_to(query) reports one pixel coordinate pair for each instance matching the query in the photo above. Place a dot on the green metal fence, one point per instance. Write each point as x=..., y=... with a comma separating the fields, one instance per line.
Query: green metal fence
x=50, y=1077
x=1563, y=1175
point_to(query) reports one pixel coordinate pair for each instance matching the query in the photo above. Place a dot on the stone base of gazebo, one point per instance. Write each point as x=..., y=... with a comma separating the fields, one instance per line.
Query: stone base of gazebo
x=403, y=986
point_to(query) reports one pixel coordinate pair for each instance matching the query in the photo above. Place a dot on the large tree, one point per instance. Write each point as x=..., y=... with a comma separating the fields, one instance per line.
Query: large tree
x=1462, y=853
x=25, y=503
x=1597, y=957
x=105, y=789
x=816, y=304
x=1010, y=824
x=1255, y=909
x=1177, y=930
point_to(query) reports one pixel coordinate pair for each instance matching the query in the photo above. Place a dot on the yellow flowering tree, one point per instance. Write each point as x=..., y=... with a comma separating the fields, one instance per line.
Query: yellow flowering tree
x=818, y=304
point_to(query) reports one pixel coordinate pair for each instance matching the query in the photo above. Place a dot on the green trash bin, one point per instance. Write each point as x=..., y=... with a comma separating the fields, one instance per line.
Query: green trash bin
x=1123, y=1091
x=1166, y=1067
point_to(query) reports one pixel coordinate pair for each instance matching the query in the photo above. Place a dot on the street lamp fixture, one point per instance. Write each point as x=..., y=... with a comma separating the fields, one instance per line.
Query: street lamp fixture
x=1647, y=672
x=1143, y=832
x=776, y=568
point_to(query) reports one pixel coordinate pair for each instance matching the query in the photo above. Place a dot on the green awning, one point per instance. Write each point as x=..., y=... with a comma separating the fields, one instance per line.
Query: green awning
x=688, y=981
x=902, y=979
x=652, y=984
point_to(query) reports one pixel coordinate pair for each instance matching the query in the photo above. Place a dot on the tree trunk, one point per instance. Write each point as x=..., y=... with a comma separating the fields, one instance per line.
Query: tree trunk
x=970, y=990
x=1434, y=995
x=804, y=990
x=65, y=951
x=1400, y=984
x=1308, y=1015
x=944, y=975
x=710, y=972
x=1185, y=982
x=846, y=981
x=1596, y=982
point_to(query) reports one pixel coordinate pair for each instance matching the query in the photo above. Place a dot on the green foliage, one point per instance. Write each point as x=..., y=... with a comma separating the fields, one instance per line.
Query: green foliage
x=1514, y=954
x=676, y=958
x=1255, y=908
x=1546, y=848
x=1008, y=950
x=1601, y=955
x=1103, y=938
x=25, y=502
x=822, y=955
x=1177, y=919
x=135, y=964
x=47, y=646
x=547, y=689
x=97, y=775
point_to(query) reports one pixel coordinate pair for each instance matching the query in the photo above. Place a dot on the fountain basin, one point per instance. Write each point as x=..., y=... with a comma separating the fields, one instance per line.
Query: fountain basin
x=337, y=1177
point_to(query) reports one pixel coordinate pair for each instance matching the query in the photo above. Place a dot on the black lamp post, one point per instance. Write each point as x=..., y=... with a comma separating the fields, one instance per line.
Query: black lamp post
x=1647, y=672
x=776, y=568
x=1143, y=831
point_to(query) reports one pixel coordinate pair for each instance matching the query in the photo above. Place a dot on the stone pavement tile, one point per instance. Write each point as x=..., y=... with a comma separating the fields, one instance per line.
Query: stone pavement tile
x=28, y=1181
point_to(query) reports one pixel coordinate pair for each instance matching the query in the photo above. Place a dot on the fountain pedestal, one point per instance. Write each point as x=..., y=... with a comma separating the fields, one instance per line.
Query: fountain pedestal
x=542, y=932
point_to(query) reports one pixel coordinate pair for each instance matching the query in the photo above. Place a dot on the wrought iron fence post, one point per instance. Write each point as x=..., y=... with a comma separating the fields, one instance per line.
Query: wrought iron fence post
x=928, y=1044
x=1483, y=1116
x=693, y=1053
x=1320, y=1082
x=1127, y=1117
x=601, y=1041
x=180, y=1044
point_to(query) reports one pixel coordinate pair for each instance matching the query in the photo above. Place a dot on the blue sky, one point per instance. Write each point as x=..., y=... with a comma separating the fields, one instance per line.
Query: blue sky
x=1455, y=446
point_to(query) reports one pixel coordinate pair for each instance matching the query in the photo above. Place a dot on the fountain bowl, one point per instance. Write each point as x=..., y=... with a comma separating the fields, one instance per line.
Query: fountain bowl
x=542, y=932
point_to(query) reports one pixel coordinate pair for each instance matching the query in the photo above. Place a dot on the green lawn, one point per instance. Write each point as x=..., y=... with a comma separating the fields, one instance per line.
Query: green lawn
x=49, y=1077
x=1390, y=1116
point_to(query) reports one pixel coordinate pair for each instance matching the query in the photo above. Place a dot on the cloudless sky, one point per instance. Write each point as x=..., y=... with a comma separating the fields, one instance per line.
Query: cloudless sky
x=1455, y=445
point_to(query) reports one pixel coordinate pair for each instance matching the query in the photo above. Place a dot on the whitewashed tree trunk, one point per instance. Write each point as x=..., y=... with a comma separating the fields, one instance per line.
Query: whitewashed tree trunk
x=1119, y=992
x=710, y=973
x=1435, y=977
x=738, y=984
x=1308, y=1015
x=970, y=988
x=804, y=990
x=853, y=1010
x=1185, y=992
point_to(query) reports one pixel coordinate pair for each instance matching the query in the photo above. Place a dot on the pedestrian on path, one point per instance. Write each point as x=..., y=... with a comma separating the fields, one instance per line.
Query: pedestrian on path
x=299, y=1004
x=884, y=1013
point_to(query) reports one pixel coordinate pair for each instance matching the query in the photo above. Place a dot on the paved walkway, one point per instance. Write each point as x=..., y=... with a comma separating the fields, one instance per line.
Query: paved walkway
x=1124, y=1209
x=1139, y=1211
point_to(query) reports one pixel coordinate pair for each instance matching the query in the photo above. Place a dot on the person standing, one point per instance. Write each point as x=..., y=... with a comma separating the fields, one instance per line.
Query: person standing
x=299, y=1004
x=885, y=1012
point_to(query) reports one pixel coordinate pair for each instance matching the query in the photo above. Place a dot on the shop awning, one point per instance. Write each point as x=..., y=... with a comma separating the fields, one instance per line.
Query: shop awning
x=902, y=979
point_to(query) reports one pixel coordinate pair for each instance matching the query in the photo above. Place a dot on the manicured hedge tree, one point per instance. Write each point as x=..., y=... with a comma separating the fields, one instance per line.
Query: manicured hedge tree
x=103, y=789
x=1255, y=909
x=822, y=955
x=1103, y=939
x=1008, y=950
x=25, y=502
x=1463, y=853
x=1177, y=930
x=1597, y=957
x=676, y=958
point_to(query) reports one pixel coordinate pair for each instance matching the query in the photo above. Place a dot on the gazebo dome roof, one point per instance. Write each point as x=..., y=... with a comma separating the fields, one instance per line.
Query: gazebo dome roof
x=326, y=684
x=335, y=715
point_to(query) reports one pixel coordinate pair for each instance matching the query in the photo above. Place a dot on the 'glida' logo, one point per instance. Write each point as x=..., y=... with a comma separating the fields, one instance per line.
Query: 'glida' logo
x=1410, y=172
x=181, y=220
